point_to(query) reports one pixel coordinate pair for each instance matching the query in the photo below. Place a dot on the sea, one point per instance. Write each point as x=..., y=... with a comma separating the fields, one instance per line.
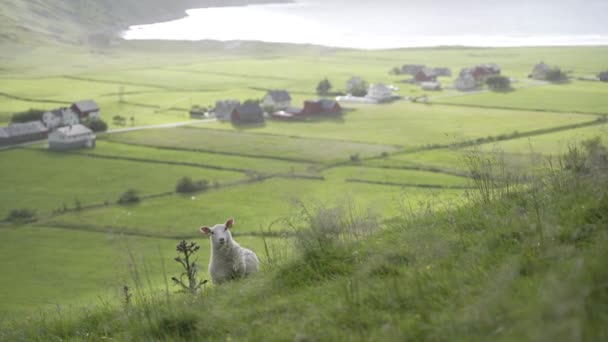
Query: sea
x=388, y=24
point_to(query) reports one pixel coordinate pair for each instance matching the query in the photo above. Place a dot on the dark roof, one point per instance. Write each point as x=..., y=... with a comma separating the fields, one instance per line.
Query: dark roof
x=428, y=72
x=249, y=109
x=327, y=104
x=21, y=129
x=279, y=95
x=86, y=106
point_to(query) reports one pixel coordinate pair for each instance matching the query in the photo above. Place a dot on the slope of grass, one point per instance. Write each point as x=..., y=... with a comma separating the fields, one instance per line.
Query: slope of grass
x=521, y=265
x=57, y=270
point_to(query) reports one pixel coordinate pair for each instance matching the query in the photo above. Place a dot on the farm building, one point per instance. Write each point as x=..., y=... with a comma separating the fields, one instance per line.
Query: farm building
x=85, y=109
x=442, y=72
x=603, y=76
x=22, y=132
x=330, y=106
x=277, y=99
x=412, y=69
x=60, y=117
x=380, y=93
x=311, y=107
x=540, y=71
x=434, y=86
x=482, y=72
x=71, y=137
x=224, y=109
x=247, y=113
x=465, y=81
x=425, y=75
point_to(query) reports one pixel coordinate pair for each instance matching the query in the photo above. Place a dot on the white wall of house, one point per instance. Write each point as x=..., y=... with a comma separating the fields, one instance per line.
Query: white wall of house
x=379, y=92
x=51, y=120
x=465, y=82
x=70, y=118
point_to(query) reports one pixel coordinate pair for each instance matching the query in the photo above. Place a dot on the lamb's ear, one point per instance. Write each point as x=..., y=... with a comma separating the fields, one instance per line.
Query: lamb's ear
x=229, y=223
x=205, y=230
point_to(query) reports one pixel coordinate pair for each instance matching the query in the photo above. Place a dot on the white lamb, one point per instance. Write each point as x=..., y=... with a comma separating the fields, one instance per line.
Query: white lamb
x=228, y=259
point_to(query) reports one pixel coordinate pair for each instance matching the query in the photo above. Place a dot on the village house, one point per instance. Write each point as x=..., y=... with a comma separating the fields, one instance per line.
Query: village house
x=224, y=108
x=431, y=86
x=442, y=72
x=411, y=69
x=425, y=75
x=277, y=99
x=17, y=133
x=330, y=107
x=248, y=113
x=86, y=109
x=311, y=107
x=482, y=72
x=60, y=117
x=540, y=71
x=380, y=93
x=71, y=137
x=466, y=81
x=603, y=76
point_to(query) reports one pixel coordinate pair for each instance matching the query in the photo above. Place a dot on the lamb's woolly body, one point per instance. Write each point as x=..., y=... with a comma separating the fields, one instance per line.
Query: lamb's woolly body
x=230, y=261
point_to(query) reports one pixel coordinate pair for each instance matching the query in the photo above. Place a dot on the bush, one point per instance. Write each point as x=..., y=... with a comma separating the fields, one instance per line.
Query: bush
x=499, y=83
x=128, y=197
x=324, y=87
x=30, y=115
x=187, y=185
x=556, y=75
x=119, y=120
x=20, y=215
x=95, y=124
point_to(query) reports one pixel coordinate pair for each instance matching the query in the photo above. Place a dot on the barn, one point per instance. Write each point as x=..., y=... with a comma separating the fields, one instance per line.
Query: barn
x=85, y=108
x=248, y=113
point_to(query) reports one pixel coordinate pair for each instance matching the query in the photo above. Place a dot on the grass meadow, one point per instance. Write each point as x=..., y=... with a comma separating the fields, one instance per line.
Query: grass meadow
x=391, y=160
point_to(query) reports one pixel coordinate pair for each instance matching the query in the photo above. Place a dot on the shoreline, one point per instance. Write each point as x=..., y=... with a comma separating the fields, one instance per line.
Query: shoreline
x=197, y=4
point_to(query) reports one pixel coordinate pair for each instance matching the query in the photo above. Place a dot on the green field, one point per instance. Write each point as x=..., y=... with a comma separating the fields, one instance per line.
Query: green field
x=280, y=147
x=46, y=181
x=395, y=152
x=63, y=270
x=578, y=96
x=411, y=125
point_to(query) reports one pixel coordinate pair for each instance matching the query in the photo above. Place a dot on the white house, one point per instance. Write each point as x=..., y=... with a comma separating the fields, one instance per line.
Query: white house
x=277, y=99
x=224, y=108
x=71, y=137
x=465, y=82
x=433, y=86
x=356, y=86
x=380, y=93
x=60, y=117
x=540, y=71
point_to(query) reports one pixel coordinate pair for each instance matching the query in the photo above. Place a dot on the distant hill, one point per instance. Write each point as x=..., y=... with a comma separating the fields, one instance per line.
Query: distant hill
x=90, y=21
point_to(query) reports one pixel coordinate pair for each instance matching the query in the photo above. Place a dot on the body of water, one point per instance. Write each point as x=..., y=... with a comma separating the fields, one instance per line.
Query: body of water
x=394, y=23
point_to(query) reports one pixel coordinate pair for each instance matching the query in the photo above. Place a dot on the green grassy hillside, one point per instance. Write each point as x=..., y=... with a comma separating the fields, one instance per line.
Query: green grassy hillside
x=515, y=263
x=88, y=21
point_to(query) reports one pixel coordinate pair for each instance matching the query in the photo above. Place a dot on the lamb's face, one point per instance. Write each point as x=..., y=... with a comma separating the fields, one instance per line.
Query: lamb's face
x=220, y=233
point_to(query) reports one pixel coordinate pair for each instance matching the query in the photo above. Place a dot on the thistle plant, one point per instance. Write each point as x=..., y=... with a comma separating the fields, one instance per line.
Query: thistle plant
x=188, y=280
